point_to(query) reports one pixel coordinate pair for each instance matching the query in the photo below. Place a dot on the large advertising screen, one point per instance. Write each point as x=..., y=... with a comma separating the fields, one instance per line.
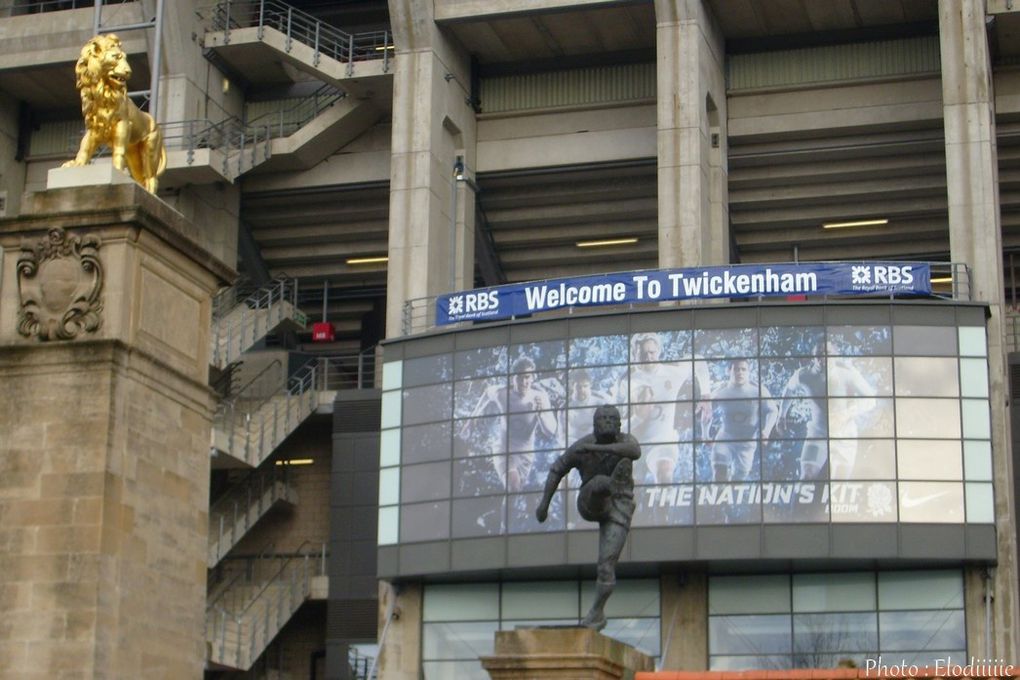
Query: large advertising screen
x=855, y=423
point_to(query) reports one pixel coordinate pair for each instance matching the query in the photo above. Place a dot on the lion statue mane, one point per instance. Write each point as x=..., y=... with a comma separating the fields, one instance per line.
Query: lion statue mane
x=111, y=118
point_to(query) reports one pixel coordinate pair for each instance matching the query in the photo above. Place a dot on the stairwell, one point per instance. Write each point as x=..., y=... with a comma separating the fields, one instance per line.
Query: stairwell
x=239, y=323
x=243, y=505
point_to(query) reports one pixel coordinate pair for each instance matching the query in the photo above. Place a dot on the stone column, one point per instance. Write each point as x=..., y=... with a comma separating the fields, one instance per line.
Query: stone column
x=691, y=82
x=433, y=124
x=563, y=653
x=400, y=612
x=105, y=418
x=975, y=239
x=684, y=615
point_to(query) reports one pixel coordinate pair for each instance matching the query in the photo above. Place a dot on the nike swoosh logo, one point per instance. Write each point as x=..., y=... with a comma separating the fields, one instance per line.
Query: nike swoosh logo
x=908, y=502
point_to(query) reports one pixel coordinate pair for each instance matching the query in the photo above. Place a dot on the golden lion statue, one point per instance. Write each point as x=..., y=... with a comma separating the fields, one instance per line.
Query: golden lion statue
x=111, y=118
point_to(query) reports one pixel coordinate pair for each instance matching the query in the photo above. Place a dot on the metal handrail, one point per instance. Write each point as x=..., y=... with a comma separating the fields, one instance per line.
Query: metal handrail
x=283, y=122
x=246, y=325
x=418, y=314
x=232, y=400
x=325, y=39
x=40, y=6
x=220, y=590
x=236, y=504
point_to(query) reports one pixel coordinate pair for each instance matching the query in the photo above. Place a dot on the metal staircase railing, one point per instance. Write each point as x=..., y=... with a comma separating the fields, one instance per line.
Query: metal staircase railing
x=244, y=504
x=287, y=120
x=325, y=39
x=245, y=618
x=236, y=328
x=361, y=666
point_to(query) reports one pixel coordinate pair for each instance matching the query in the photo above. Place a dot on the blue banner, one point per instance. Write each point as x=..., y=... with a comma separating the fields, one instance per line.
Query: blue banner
x=662, y=285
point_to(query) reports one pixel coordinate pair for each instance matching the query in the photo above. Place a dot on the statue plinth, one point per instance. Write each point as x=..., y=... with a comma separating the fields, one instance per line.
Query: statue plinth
x=94, y=174
x=564, y=653
x=105, y=420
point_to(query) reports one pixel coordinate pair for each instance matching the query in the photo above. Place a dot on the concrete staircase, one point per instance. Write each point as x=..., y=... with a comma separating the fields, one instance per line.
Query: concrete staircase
x=246, y=615
x=243, y=505
x=241, y=321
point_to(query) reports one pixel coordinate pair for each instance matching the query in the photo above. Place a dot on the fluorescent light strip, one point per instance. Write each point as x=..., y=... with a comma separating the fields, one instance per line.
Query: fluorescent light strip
x=385, y=47
x=858, y=223
x=368, y=260
x=606, y=242
x=943, y=279
x=296, y=461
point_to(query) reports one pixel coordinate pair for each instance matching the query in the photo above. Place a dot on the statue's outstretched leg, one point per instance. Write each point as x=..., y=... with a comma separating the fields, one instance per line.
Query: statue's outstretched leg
x=612, y=536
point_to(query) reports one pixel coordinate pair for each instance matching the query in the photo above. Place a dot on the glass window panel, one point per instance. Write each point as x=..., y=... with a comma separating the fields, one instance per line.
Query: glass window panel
x=453, y=670
x=390, y=411
x=932, y=418
x=479, y=397
x=660, y=346
x=818, y=660
x=389, y=447
x=427, y=442
x=927, y=459
x=389, y=486
x=728, y=504
x=536, y=622
x=536, y=431
x=858, y=340
x=977, y=456
x=792, y=460
x=392, y=373
x=860, y=417
x=452, y=640
x=756, y=662
x=976, y=423
x=632, y=597
x=427, y=370
x=388, y=524
x=862, y=459
x=665, y=464
x=427, y=404
x=724, y=461
x=794, y=502
x=902, y=631
x=536, y=391
x=424, y=522
x=726, y=342
x=657, y=423
x=484, y=516
x=973, y=377
x=749, y=634
x=863, y=501
x=931, y=502
x=597, y=386
x=925, y=657
x=527, y=471
x=925, y=340
x=980, y=503
x=859, y=376
x=425, y=482
x=814, y=633
x=601, y=350
x=552, y=599
x=759, y=594
x=972, y=341
x=926, y=377
x=479, y=476
x=479, y=436
x=663, y=382
x=521, y=509
x=538, y=356
x=642, y=634
x=580, y=422
x=794, y=378
x=574, y=520
x=920, y=590
x=477, y=363
x=792, y=341
x=728, y=379
x=461, y=602
x=852, y=591
x=671, y=505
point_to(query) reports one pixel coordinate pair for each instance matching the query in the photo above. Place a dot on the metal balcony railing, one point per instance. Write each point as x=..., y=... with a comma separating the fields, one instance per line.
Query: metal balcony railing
x=21, y=7
x=325, y=39
x=238, y=323
x=419, y=314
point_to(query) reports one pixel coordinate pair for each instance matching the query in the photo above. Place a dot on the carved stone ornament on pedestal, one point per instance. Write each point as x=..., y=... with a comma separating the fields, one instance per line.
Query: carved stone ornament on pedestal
x=60, y=280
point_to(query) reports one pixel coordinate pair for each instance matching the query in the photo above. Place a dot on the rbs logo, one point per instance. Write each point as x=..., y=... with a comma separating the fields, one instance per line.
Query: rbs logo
x=893, y=275
x=481, y=302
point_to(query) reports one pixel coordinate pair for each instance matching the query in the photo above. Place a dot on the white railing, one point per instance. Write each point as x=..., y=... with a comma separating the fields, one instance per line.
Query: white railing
x=325, y=39
x=237, y=325
x=238, y=629
x=237, y=510
x=419, y=314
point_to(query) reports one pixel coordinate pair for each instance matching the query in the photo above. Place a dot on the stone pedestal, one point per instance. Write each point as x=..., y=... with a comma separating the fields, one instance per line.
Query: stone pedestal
x=105, y=417
x=564, y=654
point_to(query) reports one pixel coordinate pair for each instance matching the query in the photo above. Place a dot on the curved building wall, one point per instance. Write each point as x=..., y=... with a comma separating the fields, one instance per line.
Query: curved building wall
x=849, y=430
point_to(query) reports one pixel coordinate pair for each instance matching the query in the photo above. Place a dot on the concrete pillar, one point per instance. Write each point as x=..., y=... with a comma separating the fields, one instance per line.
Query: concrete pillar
x=691, y=82
x=975, y=239
x=433, y=124
x=400, y=612
x=105, y=418
x=684, y=612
